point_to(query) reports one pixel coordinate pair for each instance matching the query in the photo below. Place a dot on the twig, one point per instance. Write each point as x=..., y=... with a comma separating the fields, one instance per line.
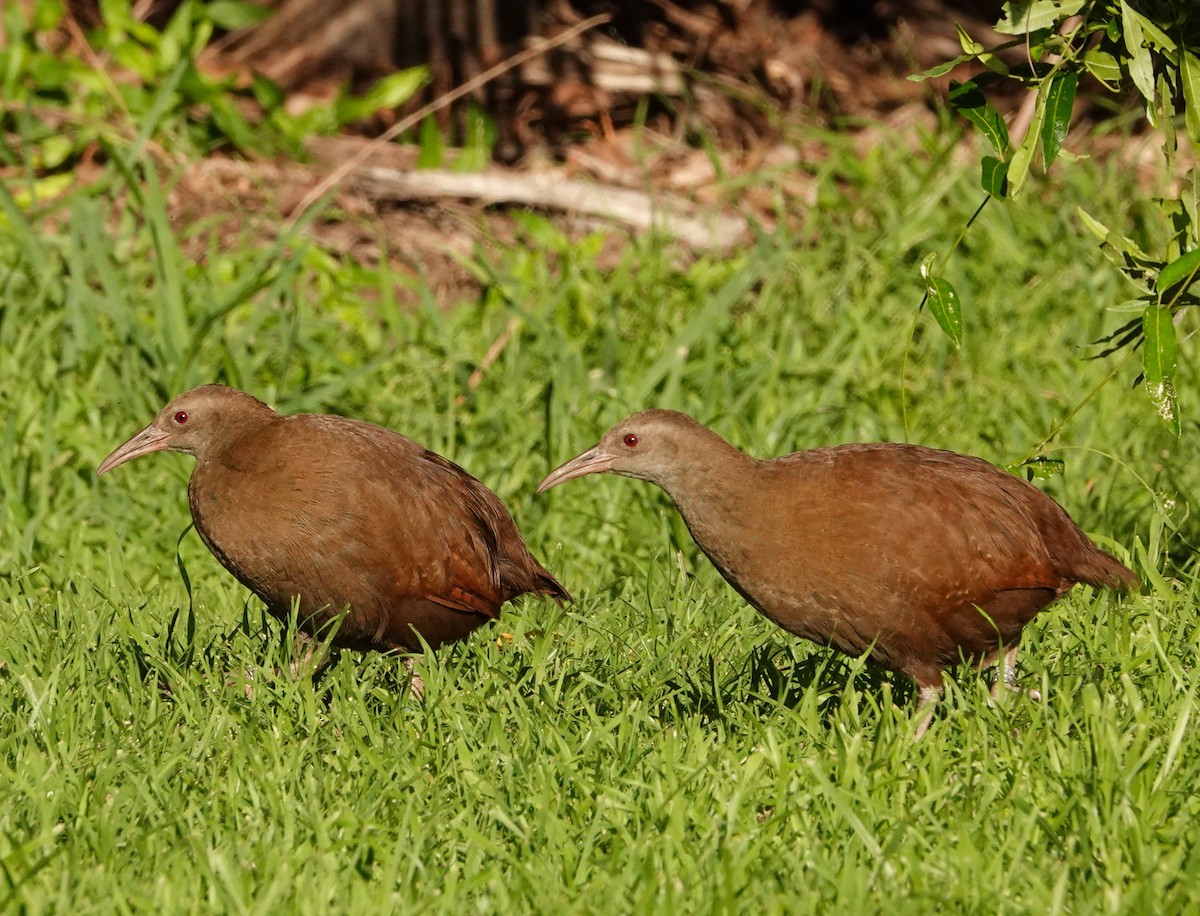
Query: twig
x=552, y=191
x=1058, y=425
x=88, y=53
x=537, y=50
x=494, y=351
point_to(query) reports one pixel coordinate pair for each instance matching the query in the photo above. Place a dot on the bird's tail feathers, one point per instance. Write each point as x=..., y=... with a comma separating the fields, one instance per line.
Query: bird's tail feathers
x=1105, y=571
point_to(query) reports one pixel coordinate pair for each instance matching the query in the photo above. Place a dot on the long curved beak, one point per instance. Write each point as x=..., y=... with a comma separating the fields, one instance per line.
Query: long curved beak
x=594, y=461
x=150, y=439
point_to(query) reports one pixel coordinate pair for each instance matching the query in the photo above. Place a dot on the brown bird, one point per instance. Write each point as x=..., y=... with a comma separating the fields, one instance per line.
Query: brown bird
x=922, y=557
x=340, y=514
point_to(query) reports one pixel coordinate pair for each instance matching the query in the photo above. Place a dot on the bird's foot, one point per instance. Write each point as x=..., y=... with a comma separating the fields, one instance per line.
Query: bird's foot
x=1007, y=688
x=926, y=706
x=308, y=658
x=416, y=684
x=245, y=680
x=1006, y=678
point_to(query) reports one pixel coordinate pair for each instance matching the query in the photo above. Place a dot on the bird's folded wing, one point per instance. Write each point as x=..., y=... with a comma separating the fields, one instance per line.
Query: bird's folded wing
x=463, y=599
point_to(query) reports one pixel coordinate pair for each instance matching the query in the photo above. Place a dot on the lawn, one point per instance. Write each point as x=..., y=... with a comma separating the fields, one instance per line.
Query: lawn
x=655, y=746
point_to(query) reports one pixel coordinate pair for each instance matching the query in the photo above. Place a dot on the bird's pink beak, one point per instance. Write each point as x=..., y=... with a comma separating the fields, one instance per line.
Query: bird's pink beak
x=150, y=439
x=594, y=461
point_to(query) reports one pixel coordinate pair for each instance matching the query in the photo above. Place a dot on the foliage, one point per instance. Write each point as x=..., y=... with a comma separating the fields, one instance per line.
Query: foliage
x=477, y=141
x=129, y=85
x=1152, y=47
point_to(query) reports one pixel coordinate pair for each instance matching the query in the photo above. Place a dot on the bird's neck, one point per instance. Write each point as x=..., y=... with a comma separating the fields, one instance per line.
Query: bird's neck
x=712, y=494
x=246, y=443
x=707, y=486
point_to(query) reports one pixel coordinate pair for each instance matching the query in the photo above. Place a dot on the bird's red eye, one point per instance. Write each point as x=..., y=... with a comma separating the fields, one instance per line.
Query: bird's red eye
x=631, y=440
x=181, y=417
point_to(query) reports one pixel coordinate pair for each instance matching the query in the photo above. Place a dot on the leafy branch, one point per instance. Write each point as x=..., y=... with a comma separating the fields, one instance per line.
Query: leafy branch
x=1153, y=47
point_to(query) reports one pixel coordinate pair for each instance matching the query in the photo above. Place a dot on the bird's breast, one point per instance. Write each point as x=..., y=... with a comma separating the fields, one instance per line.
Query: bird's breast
x=254, y=527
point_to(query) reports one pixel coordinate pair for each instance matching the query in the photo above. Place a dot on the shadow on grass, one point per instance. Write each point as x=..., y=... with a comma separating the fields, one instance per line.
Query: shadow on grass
x=177, y=654
x=774, y=677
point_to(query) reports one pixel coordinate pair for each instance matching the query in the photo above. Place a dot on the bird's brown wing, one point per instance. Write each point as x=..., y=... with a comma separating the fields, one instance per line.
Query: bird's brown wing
x=341, y=512
x=454, y=542
x=435, y=530
x=924, y=555
x=513, y=570
x=473, y=581
x=344, y=513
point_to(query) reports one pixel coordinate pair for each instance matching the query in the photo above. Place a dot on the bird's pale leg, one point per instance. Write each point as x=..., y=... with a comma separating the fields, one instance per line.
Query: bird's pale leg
x=928, y=700
x=309, y=658
x=416, y=684
x=307, y=661
x=245, y=681
x=1006, y=675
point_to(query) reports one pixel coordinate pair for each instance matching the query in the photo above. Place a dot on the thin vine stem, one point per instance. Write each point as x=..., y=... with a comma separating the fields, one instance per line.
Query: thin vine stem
x=913, y=330
x=1058, y=425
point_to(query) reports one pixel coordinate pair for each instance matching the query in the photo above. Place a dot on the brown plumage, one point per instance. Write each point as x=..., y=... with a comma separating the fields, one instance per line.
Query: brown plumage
x=924, y=557
x=341, y=513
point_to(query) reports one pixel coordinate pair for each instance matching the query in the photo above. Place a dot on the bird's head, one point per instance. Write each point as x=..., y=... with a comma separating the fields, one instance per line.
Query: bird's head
x=196, y=422
x=653, y=445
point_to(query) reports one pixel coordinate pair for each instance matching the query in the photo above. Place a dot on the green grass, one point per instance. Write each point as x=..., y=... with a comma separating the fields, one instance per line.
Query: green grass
x=656, y=746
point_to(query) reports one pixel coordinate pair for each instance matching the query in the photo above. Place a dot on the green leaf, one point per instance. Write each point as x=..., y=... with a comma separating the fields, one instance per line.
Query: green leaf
x=969, y=45
x=994, y=63
x=48, y=73
x=1043, y=468
x=167, y=97
x=397, y=88
x=138, y=61
x=47, y=15
x=1158, y=357
x=940, y=69
x=1166, y=402
x=1141, y=68
x=1156, y=37
x=1165, y=116
x=1060, y=103
x=172, y=42
x=1182, y=268
x=994, y=178
x=1093, y=225
x=319, y=120
x=1024, y=16
x=55, y=150
x=927, y=263
x=1189, y=77
x=969, y=101
x=478, y=142
x=115, y=15
x=433, y=149
x=1189, y=197
x=1022, y=157
x=1172, y=209
x=946, y=309
x=234, y=125
x=44, y=189
x=267, y=92
x=1130, y=305
x=1104, y=67
x=390, y=92
x=1115, y=242
x=232, y=14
